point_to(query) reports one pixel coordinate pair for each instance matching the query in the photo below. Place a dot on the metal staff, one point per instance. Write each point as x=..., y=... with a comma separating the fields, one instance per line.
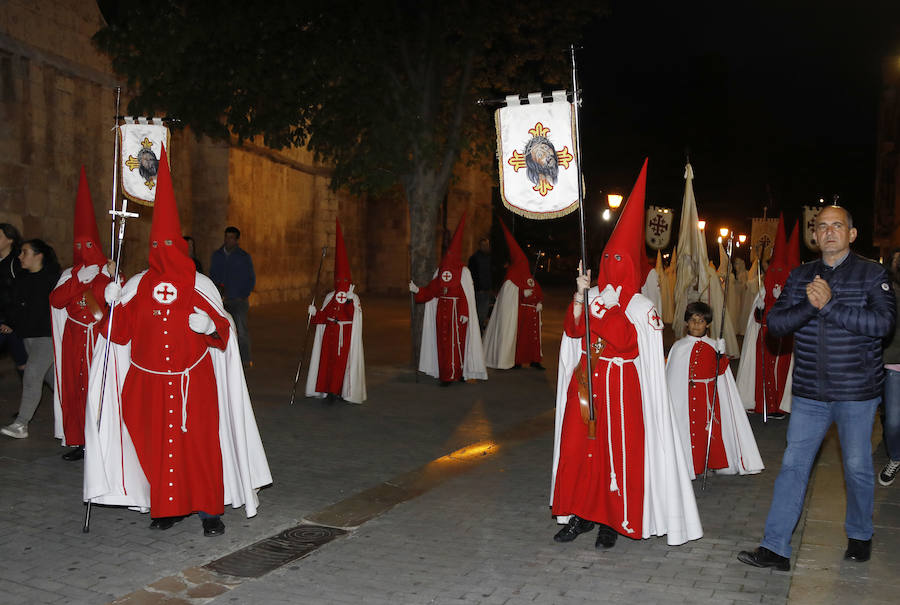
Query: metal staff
x=711, y=412
x=122, y=215
x=115, y=186
x=308, y=320
x=576, y=102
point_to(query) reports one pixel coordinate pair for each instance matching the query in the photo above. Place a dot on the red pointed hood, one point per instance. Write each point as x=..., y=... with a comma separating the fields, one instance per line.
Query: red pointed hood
x=453, y=256
x=778, y=269
x=342, y=278
x=519, y=270
x=86, y=248
x=168, y=249
x=621, y=263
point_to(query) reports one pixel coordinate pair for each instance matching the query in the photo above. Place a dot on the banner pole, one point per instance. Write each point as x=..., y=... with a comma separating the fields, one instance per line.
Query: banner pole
x=576, y=102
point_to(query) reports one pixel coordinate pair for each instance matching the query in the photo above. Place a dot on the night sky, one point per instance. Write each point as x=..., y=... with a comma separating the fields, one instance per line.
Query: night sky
x=776, y=102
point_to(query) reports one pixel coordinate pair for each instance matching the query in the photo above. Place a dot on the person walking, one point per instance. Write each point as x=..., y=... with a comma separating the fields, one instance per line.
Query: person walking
x=839, y=309
x=892, y=389
x=10, y=242
x=231, y=269
x=30, y=320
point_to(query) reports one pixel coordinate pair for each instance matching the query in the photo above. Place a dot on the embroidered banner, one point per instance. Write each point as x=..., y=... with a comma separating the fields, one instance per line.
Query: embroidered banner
x=658, y=228
x=140, y=142
x=809, y=227
x=536, y=151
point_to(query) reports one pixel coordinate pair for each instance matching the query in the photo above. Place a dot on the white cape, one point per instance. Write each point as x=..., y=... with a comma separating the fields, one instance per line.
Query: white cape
x=737, y=436
x=112, y=472
x=669, y=506
x=354, y=386
x=746, y=376
x=503, y=329
x=473, y=363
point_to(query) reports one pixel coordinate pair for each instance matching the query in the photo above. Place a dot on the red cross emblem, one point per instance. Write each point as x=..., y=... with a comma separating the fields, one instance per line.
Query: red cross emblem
x=654, y=319
x=446, y=276
x=597, y=308
x=530, y=282
x=341, y=297
x=165, y=293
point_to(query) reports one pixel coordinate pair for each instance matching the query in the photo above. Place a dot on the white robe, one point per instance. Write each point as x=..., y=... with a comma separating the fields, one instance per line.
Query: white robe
x=503, y=329
x=669, y=506
x=354, y=386
x=737, y=436
x=473, y=361
x=112, y=472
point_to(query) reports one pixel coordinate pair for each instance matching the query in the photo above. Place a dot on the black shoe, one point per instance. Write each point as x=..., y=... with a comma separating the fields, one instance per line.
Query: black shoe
x=537, y=365
x=763, y=557
x=606, y=536
x=518, y=366
x=163, y=523
x=329, y=399
x=445, y=383
x=76, y=453
x=777, y=415
x=213, y=526
x=858, y=550
x=575, y=527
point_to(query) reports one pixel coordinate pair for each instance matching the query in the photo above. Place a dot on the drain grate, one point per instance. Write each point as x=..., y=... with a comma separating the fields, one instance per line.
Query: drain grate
x=271, y=553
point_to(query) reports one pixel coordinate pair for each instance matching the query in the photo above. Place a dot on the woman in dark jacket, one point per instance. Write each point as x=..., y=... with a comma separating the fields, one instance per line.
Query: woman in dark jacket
x=30, y=319
x=10, y=242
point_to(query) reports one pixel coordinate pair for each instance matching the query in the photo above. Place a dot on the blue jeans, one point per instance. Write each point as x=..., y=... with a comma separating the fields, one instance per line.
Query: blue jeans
x=892, y=413
x=810, y=420
x=238, y=308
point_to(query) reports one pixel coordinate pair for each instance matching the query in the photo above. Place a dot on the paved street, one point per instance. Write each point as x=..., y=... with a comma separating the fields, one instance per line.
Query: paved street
x=446, y=493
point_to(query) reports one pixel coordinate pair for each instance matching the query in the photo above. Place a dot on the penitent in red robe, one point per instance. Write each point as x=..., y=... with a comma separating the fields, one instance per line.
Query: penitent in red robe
x=449, y=326
x=337, y=316
x=773, y=359
x=169, y=398
x=78, y=339
x=528, y=335
x=585, y=485
x=701, y=387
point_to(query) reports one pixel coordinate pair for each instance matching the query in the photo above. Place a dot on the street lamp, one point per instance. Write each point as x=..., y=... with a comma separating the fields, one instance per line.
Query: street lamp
x=606, y=214
x=701, y=225
x=614, y=200
x=723, y=231
x=742, y=238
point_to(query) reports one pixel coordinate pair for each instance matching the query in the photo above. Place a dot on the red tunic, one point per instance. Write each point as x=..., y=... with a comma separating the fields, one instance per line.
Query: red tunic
x=449, y=326
x=583, y=476
x=337, y=316
x=701, y=386
x=773, y=359
x=528, y=335
x=171, y=374
x=78, y=339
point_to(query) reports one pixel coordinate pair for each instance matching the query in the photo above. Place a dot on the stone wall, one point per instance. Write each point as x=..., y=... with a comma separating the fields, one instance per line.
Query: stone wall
x=57, y=102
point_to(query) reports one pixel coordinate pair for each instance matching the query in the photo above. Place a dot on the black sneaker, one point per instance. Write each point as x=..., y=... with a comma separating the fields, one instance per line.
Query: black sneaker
x=889, y=472
x=763, y=557
x=777, y=415
x=858, y=550
x=574, y=528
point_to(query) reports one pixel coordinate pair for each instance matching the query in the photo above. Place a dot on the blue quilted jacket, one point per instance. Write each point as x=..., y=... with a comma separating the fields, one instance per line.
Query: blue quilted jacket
x=837, y=350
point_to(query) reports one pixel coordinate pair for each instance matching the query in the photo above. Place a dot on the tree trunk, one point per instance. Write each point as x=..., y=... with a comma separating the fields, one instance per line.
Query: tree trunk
x=423, y=194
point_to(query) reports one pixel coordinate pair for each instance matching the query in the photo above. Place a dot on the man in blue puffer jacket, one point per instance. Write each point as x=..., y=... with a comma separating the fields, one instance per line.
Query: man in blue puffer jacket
x=839, y=309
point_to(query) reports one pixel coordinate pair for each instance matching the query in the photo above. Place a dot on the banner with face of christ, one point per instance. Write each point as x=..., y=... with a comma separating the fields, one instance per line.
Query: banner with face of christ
x=140, y=147
x=537, y=156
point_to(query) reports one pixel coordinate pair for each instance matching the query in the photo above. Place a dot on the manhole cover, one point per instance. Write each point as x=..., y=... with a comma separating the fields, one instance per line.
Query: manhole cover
x=271, y=553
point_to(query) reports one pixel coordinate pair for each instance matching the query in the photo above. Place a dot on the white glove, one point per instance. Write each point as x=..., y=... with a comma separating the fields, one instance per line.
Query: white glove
x=112, y=293
x=609, y=297
x=761, y=301
x=311, y=310
x=351, y=295
x=776, y=290
x=720, y=346
x=413, y=287
x=539, y=307
x=527, y=292
x=87, y=273
x=463, y=319
x=200, y=322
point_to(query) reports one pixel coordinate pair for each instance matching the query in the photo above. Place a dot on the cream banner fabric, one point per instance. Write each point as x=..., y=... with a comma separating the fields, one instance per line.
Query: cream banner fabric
x=141, y=141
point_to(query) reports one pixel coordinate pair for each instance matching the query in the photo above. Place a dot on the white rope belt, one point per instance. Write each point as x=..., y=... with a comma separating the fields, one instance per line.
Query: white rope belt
x=185, y=383
x=528, y=305
x=619, y=362
x=341, y=325
x=89, y=342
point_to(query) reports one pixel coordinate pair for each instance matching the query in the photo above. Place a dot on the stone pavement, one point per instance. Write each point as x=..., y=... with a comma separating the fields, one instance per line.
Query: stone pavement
x=472, y=527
